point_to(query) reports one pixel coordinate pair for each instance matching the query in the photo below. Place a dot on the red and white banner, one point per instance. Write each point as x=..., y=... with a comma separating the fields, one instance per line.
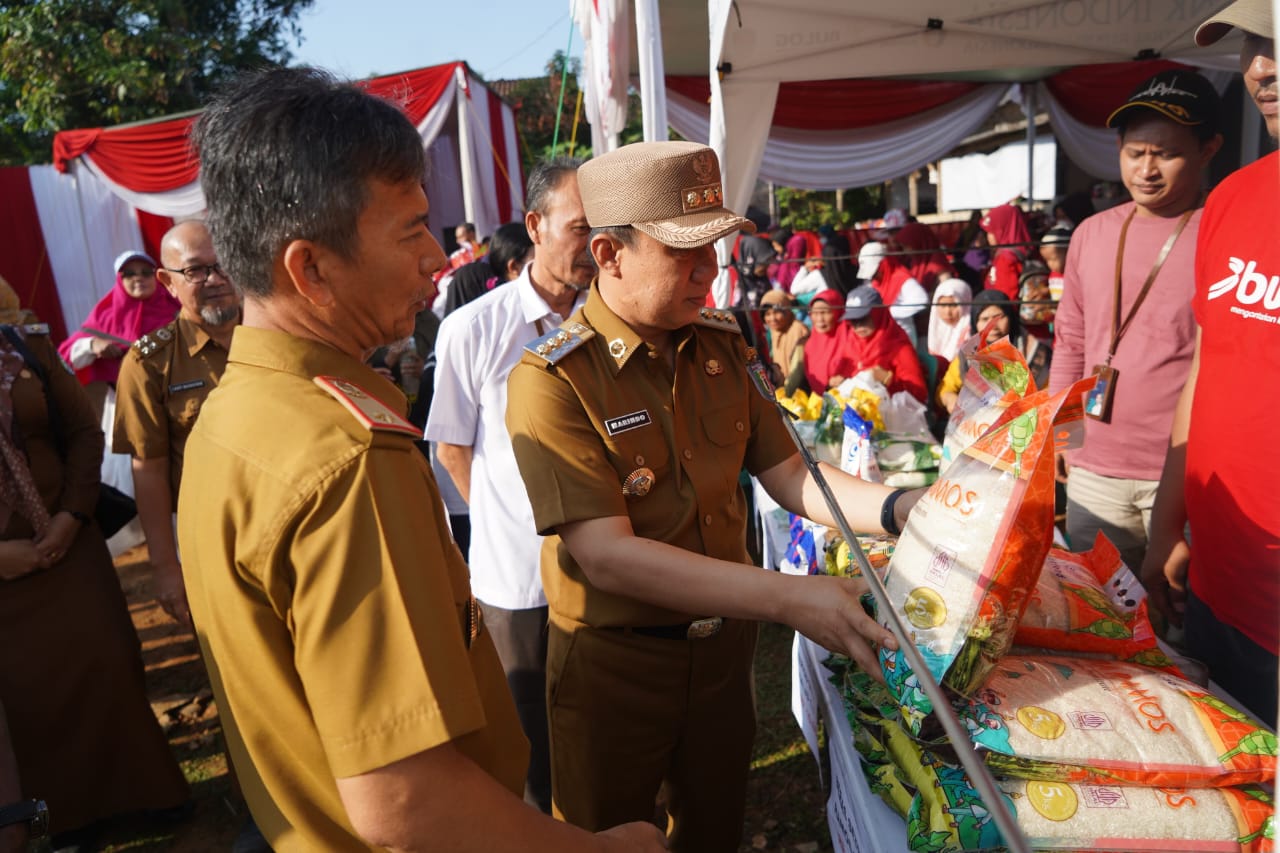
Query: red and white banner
x=115, y=189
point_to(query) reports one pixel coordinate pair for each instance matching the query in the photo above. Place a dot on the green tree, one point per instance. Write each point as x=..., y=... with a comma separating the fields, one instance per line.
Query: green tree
x=536, y=100
x=88, y=63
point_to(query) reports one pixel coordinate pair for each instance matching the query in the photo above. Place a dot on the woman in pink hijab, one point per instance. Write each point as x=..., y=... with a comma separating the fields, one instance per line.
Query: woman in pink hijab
x=134, y=307
x=1006, y=226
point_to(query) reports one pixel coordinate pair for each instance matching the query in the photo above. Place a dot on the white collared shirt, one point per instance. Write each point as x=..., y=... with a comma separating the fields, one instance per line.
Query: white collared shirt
x=477, y=347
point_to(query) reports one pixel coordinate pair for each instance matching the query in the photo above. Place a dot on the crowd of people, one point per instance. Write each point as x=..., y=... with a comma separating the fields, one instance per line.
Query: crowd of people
x=492, y=543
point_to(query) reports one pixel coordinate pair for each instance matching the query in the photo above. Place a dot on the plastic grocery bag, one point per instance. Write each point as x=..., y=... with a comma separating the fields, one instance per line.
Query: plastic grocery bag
x=996, y=376
x=1091, y=603
x=857, y=455
x=1101, y=722
x=973, y=547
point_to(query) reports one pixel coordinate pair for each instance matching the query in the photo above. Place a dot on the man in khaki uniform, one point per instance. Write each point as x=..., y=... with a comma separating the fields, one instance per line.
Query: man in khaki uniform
x=361, y=695
x=631, y=424
x=164, y=380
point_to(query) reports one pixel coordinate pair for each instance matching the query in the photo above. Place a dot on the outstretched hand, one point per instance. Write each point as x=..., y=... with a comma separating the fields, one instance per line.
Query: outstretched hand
x=828, y=610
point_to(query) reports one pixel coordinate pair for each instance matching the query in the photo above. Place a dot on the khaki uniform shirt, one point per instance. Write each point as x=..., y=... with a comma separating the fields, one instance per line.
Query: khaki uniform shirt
x=164, y=380
x=333, y=605
x=582, y=425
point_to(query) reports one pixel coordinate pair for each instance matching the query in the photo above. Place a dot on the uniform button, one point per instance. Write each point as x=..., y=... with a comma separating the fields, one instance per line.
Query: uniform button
x=639, y=459
x=738, y=426
x=688, y=454
x=706, y=520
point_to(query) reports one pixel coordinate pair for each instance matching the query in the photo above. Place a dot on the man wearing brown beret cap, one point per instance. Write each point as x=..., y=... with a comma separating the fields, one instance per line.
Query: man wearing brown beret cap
x=631, y=424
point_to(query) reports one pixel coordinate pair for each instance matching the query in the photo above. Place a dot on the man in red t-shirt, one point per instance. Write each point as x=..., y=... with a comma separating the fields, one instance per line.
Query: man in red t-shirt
x=1222, y=469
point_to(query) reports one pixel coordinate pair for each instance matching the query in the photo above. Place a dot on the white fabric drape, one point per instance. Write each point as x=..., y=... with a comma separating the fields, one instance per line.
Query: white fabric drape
x=433, y=122
x=444, y=184
x=514, y=178
x=183, y=202
x=86, y=225
x=606, y=57
x=824, y=159
x=653, y=88
x=475, y=142
x=1091, y=148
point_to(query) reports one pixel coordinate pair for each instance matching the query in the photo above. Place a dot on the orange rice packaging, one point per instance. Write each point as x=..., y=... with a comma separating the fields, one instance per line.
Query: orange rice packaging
x=1090, y=721
x=997, y=374
x=1091, y=603
x=971, y=552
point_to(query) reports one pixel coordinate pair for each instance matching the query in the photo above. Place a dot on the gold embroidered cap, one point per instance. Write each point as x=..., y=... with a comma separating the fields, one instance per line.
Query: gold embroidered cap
x=669, y=190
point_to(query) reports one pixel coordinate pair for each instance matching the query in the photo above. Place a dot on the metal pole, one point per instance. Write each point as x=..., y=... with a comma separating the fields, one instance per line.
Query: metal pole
x=978, y=773
x=1029, y=105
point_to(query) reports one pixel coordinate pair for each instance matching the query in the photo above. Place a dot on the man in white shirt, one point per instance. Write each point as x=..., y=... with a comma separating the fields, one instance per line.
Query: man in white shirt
x=478, y=346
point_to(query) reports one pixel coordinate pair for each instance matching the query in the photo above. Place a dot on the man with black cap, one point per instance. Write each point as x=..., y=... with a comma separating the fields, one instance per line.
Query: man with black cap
x=631, y=424
x=1125, y=313
x=1222, y=469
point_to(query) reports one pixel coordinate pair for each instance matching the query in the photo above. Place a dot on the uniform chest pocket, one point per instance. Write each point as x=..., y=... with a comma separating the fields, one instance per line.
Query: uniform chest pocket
x=726, y=427
x=642, y=447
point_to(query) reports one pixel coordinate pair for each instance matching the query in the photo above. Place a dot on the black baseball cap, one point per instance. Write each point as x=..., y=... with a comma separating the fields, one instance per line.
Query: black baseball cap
x=1179, y=94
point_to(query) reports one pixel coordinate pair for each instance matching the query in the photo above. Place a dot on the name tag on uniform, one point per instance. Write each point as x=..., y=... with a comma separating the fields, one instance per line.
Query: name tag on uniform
x=186, y=386
x=626, y=422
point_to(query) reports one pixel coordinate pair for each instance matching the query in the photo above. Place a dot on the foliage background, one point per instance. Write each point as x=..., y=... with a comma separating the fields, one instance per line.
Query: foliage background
x=88, y=63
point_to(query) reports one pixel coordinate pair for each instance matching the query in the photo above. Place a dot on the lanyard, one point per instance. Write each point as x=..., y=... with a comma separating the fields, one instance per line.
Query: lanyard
x=1118, y=328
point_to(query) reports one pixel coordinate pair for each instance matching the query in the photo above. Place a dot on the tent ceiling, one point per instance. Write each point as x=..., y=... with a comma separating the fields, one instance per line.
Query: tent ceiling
x=981, y=40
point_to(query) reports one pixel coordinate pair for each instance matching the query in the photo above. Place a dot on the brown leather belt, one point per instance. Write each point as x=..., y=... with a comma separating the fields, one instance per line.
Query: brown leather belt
x=698, y=629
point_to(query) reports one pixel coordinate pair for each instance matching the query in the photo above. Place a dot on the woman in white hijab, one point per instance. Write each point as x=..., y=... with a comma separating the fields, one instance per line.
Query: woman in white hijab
x=949, y=319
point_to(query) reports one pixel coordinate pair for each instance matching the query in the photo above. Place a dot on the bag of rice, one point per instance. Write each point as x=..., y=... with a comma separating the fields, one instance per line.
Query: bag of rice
x=952, y=816
x=1091, y=603
x=1100, y=722
x=996, y=376
x=973, y=547
x=903, y=454
x=945, y=812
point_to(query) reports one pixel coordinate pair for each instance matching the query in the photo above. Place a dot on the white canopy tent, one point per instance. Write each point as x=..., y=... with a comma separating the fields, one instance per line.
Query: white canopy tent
x=748, y=48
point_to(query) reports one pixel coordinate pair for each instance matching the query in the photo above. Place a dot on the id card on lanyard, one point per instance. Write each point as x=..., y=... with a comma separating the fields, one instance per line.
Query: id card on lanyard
x=1098, y=402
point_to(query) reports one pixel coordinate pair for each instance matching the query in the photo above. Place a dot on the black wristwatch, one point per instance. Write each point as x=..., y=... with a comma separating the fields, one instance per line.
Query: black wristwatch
x=34, y=813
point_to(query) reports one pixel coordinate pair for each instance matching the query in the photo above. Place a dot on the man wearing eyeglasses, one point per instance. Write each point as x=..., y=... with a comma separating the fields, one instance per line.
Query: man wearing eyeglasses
x=163, y=382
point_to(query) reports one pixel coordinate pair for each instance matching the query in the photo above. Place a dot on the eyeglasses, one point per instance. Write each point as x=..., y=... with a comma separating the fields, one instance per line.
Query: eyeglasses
x=199, y=273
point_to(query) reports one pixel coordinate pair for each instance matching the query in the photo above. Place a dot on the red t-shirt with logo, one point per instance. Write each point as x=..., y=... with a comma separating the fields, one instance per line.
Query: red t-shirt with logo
x=1233, y=456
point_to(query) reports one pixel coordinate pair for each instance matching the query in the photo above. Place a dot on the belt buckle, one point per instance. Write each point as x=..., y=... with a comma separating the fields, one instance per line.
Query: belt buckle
x=700, y=629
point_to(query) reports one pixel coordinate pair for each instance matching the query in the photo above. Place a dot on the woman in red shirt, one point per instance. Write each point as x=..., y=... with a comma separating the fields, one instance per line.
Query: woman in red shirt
x=1006, y=226
x=826, y=364
x=875, y=342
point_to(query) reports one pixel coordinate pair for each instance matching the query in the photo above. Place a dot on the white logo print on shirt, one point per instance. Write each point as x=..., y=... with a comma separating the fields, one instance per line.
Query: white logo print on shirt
x=1250, y=286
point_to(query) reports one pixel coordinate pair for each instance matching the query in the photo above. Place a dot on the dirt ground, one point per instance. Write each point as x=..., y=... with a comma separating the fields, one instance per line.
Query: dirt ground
x=785, y=803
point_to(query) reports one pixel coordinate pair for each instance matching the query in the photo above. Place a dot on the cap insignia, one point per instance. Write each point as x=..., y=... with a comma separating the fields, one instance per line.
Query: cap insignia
x=704, y=165
x=701, y=197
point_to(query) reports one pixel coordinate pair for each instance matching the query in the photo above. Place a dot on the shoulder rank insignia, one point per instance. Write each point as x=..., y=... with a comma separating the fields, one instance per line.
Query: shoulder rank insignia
x=718, y=318
x=35, y=329
x=368, y=410
x=153, y=341
x=555, y=345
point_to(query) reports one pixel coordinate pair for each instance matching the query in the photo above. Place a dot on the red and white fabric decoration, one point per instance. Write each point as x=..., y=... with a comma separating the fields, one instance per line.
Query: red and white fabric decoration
x=112, y=189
